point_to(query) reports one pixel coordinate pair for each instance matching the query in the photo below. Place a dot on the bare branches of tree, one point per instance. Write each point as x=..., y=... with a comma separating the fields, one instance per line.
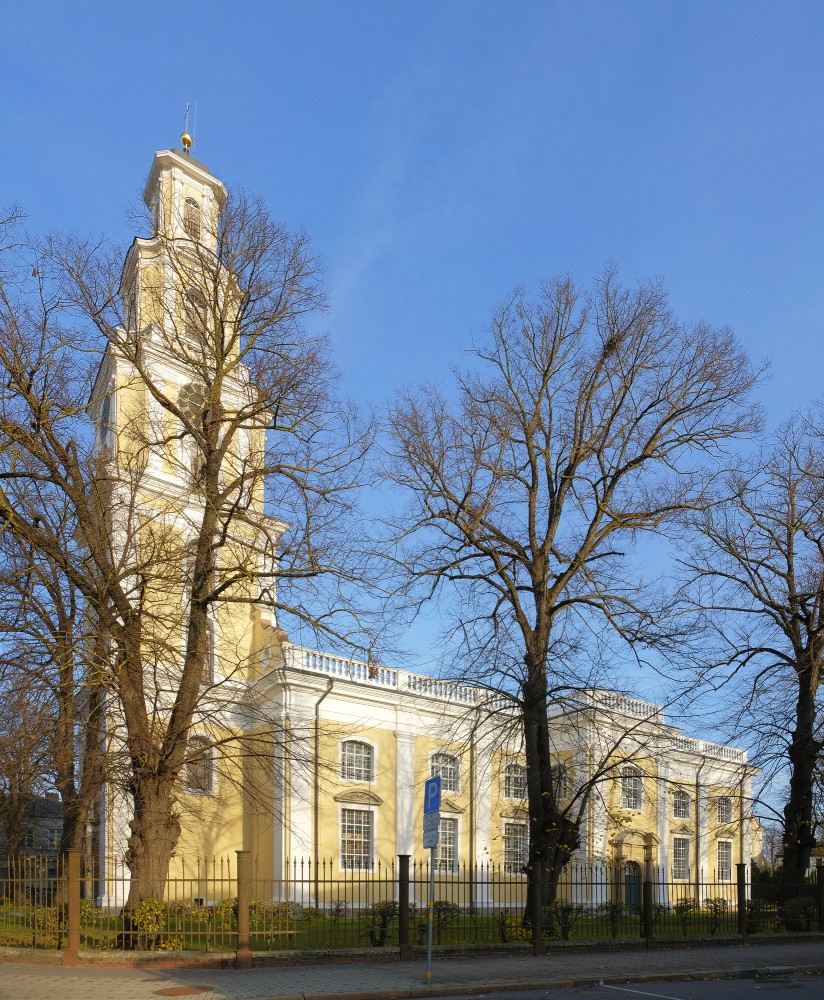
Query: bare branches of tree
x=585, y=420
x=175, y=409
x=758, y=579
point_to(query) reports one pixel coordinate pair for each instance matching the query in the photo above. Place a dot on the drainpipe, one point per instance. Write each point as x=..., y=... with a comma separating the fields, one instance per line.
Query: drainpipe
x=698, y=829
x=472, y=790
x=316, y=781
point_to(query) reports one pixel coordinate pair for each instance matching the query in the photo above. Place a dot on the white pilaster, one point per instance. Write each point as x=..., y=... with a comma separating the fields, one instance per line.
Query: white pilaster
x=405, y=793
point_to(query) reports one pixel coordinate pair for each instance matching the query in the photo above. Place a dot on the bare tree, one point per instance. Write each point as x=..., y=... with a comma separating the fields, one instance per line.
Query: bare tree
x=204, y=459
x=25, y=755
x=584, y=421
x=49, y=645
x=758, y=576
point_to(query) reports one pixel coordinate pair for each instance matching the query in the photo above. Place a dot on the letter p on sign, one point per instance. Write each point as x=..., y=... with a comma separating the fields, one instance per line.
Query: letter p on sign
x=432, y=794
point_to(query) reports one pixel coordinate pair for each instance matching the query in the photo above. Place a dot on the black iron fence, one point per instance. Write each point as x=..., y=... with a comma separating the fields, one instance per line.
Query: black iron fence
x=229, y=906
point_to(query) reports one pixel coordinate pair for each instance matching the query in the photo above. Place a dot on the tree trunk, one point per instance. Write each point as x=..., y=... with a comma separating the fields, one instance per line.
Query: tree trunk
x=552, y=836
x=799, y=834
x=155, y=830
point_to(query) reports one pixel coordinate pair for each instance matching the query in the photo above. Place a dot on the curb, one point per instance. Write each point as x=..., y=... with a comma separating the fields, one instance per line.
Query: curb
x=479, y=989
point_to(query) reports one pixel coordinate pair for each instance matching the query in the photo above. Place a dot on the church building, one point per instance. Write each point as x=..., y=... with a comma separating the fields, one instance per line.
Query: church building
x=294, y=753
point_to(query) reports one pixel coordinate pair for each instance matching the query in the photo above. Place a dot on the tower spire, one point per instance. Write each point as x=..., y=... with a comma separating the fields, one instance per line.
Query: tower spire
x=185, y=138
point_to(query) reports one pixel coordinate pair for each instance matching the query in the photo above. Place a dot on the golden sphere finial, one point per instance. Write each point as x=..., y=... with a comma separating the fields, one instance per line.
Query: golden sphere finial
x=186, y=141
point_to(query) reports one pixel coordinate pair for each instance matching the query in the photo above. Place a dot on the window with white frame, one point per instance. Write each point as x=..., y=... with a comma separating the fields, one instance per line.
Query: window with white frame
x=106, y=425
x=514, y=781
x=191, y=218
x=195, y=313
x=448, y=767
x=723, y=867
x=199, y=769
x=209, y=654
x=356, y=837
x=446, y=856
x=724, y=809
x=680, y=859
x=356, y=761
x=516, y=848
x=681, y=804
x=632, y=789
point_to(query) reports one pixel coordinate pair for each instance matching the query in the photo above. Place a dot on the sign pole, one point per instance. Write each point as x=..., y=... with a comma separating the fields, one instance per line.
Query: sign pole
x=430, y=920
x=431, y=821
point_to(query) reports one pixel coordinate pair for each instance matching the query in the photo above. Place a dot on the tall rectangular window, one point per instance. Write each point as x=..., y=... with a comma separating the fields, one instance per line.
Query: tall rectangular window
x=514, y=781
x=516, y=848
x=680, y=859
x=356, y=761
x=724, y=809
x=724, y=865
x=632, y=791
x=446, y=851
x=199, y=769
x=681, y=805
x=191, y=218
x=448, y=768
x=355, y=839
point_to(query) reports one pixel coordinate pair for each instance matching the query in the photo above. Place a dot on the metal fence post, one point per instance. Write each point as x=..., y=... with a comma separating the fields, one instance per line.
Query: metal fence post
x=819, y=891
x=403, y=908
x=71, y=879
x=647, y=920
x=741, y=892
x=536, y=910
x=243, y=957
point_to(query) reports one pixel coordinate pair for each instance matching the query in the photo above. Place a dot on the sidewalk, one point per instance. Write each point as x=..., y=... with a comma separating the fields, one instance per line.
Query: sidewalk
x=388, y=981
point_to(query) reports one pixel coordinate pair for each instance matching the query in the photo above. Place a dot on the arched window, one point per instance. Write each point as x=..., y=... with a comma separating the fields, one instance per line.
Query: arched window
x=681, y=804
x=355, y=761
x=724, y=807
x=448, y=767
x=199, y=770
x=105, y=428
x=195, y=313
x=632, y=789
x=191, y=398
x=191, y=218
x=514, y=781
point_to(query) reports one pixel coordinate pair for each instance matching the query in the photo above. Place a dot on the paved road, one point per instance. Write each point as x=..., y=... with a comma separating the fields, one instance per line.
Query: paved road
x=392, y=981
x=803, y=987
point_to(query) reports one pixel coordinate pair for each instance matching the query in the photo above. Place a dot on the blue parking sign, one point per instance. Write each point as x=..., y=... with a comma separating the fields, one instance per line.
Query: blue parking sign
x=432, y=794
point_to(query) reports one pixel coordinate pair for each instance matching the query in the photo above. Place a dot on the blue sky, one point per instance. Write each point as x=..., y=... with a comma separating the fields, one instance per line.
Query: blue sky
x=440, y=153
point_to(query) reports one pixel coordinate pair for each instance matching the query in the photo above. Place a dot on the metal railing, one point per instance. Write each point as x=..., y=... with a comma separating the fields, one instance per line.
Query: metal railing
x=229, y=906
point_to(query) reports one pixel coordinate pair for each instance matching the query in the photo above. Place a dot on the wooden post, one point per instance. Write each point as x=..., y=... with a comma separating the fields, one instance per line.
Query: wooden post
x=243, y=957
x=71, y=877
x=403, y=909
x=819, y=891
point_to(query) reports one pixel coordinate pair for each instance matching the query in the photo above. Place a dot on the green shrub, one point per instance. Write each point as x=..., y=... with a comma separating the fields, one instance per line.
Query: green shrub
x=800, y=914
x=148, y=919
x=612, y=910
x=380, y=916
x=763, y=916
x=716, y=911
x=89, y=913
x=443, y=914
x=684, y=909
